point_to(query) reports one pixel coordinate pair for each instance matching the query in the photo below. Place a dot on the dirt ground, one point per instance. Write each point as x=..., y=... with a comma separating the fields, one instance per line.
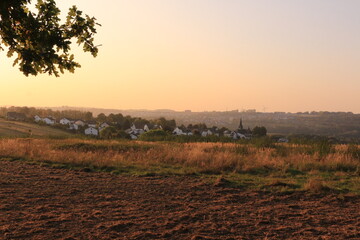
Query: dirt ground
x=45, y=203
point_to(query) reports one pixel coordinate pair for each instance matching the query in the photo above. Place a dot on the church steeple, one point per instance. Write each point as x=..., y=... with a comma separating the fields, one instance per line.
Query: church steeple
x=241, y=125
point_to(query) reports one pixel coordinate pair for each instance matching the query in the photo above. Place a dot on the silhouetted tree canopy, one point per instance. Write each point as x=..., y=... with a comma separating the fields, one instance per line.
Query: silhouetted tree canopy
x=259, y=131
x=39, y=41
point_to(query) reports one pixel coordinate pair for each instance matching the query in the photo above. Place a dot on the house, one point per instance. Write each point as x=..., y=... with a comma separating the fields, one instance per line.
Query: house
x=227, y=133
x=91, y=131
x=206, y=133
x=80, y=123
x=237, y=135
x=157, y=127
x=49, y=120
x=73, y=126
x=65, y=121
x=15, y=116
x=37, y=118
x=146, y=128
x=92, y=124
x=133, y=137
x=177, y=131
x=135, y=131
x=103, y=125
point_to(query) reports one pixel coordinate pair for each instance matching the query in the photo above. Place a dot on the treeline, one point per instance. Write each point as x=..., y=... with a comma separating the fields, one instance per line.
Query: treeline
x=30, y=112
x=117, y=120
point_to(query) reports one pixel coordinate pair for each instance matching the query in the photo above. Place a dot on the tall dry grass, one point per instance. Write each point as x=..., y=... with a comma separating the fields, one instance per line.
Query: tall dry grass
x=203, y=157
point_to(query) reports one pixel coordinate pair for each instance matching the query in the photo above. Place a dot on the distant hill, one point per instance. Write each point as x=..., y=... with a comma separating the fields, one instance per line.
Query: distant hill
x=344, y=125
x=23, y=129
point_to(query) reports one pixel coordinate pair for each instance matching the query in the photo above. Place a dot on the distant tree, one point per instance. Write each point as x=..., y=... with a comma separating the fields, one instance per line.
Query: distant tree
x=101, y=118
x=117, y=118
x=139, y=122
x=126, y=124
x=88, y=116
x=223, y=129
x=167, y=125
x=39, y=41
x=196, y=132
x=108, y=133
x=111, y=117
x=122, y=134
x=259, y=131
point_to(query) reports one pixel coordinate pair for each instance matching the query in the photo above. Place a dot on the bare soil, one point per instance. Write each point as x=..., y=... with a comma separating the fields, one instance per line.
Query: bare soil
x=45, y=203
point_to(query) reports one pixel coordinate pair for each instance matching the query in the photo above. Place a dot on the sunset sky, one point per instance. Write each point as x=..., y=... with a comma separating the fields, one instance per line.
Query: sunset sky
x=272, y=55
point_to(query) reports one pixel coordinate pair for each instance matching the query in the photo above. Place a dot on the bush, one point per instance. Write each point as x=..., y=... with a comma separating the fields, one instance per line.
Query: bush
x=108, y=133
x=263, y=142
x=259, y=131
x=113, y=133
x=155, y=135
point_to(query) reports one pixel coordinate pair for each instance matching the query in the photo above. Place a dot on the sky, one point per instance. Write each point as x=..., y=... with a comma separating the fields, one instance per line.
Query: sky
x=206, y=55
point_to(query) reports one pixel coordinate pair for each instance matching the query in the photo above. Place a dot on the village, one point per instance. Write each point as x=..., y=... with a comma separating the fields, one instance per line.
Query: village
x=92, y=128
x=136, y=129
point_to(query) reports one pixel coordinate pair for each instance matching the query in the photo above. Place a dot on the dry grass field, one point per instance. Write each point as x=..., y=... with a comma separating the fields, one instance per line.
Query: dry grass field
x=282, y=167
x=23, y=129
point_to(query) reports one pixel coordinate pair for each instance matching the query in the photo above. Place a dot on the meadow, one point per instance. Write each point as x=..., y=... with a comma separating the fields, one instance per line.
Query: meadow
x=256, y=165
x=15, y=129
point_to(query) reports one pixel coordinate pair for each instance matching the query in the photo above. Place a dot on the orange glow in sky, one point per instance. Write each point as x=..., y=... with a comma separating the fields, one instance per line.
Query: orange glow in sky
x=207, y=55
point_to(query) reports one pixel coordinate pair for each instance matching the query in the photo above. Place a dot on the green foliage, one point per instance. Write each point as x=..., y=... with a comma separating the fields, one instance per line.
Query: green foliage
x=108, y=133
x=155, y=135
x=41, y=44
x=101, y=117
x=259, y=131
x=167, y=125
x=262, y=142
x=122, y=134
x=113, y=133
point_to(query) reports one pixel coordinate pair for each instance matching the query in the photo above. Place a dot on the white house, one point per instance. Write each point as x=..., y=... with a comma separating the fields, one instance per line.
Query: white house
x=178, y=131
x=146, y=128
x=49, y=120
x=133, y=131
x=65, y=121
x=73, y=126
x=206, y=133
x=236, y=135
x=133, y=127
x=37, y=118
x=91, y=131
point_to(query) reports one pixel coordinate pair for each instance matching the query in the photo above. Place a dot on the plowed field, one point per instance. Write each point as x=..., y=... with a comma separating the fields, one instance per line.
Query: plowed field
x=46, y=203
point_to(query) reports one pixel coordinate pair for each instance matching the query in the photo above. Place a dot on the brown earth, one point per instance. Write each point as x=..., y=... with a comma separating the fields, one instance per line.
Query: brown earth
x=45, y=203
